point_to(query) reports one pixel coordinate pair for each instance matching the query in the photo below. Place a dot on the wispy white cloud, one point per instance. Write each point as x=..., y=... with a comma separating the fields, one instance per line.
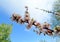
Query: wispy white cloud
x=18, y=7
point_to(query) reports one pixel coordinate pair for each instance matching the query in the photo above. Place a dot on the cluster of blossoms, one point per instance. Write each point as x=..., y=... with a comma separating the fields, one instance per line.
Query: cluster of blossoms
x=42, y=28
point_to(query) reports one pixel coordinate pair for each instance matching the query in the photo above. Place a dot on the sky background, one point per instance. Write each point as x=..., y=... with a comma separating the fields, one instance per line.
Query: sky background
x=19, y=32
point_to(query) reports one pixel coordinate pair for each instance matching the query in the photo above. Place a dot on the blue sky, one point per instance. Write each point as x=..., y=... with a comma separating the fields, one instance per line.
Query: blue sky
x=19, y=32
